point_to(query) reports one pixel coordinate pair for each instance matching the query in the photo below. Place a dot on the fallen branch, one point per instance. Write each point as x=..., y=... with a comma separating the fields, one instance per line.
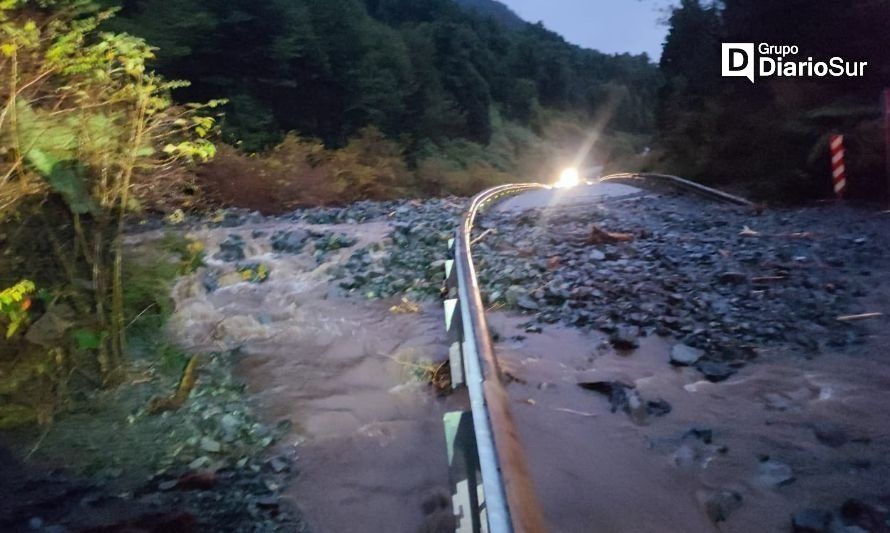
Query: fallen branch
x=573, y=412
x=481, y=236
x=186, y=384
x=599, y=236
x=864, y=316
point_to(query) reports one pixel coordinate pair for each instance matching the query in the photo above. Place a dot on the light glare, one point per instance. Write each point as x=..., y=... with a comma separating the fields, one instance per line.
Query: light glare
x=568, y=178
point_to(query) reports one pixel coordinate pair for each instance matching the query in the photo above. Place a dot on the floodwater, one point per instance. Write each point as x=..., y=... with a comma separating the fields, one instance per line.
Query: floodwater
x=368, y=433
x=596, y=470
x=347, y=373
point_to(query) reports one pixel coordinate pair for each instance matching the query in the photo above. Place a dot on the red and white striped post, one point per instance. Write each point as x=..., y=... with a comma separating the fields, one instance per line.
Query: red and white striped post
x=838, y=169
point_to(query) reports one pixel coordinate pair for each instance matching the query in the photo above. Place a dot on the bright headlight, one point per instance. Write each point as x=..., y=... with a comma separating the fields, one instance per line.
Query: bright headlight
x=568, y=178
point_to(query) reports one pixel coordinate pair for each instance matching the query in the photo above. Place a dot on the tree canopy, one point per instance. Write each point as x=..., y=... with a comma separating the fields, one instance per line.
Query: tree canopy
x=418, y=70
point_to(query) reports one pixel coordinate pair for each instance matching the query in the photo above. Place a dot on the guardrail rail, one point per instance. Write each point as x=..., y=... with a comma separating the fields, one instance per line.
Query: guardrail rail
x=491, y=484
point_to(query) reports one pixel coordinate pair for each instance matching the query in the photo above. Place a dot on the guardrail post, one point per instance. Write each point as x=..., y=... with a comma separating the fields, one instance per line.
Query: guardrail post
x=455, y=341
x=466, y=482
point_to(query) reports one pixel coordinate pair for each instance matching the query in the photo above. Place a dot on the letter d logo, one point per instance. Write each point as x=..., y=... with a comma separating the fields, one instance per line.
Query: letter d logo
x=738, y=60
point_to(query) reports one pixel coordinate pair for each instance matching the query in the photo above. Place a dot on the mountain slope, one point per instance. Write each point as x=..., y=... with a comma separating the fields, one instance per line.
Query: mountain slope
x=495, y=10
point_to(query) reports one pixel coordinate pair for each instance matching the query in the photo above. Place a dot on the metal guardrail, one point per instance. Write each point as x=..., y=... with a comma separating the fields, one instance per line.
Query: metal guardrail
x=680, y=183
x=492, y=486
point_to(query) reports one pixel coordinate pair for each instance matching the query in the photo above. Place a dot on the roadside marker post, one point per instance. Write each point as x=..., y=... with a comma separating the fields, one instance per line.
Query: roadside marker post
x=838, y=168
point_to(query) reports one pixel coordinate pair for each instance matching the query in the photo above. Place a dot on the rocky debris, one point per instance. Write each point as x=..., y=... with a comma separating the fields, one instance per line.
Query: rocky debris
x=682, y=355
x=410, y=262
x=231, y=249
x=853, y=516
x=625, y=338
x=715, y=371
x=204, y=460
x=856, y=513
x=625, y=397
x=330, y=241
x=721, y=504
x=811, y=521
x=290, y=242
x=772, y=473
x=690, y=273
x=830, y=434
x=697, y=449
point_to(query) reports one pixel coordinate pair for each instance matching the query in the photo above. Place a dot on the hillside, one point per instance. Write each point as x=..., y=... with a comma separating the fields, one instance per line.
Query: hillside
x=424, y=72
x=495, y=10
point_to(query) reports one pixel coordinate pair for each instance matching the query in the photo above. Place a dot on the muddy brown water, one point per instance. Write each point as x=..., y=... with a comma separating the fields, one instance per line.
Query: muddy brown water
x=346, y=372
x=601, y=471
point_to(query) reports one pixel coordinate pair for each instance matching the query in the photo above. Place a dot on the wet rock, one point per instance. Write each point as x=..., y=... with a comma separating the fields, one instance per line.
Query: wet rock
x=811, y=521
x=615, y=390
x=626, y=338
x=772, y=473
x=267, y=502
x=231, y=220
x=290, y=242
x=210, y=445
x=658, y=407
x=327, y=242
x=856, y=513
x=167, y=485
x=715, y=372
x=705, y=435
x=210, y=281
x=231, y=249
x=683, y=355
x=721, y=504
x=732, y=278
x=527, y=303
x=278, y=464
x=830, y=434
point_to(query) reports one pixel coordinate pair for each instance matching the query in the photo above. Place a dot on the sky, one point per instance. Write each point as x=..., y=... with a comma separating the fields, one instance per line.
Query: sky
x=611, y=26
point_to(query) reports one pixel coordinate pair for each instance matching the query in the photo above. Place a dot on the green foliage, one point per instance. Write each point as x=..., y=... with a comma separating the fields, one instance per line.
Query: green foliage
x=14, y=304
x=87, y=339
x=83, y=114
x=254, y=273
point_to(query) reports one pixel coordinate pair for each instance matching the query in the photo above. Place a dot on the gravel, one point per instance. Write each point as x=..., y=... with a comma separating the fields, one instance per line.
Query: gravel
x=725, y=281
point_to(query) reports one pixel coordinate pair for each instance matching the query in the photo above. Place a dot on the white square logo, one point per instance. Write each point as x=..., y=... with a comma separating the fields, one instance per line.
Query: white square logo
x=738, y=60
